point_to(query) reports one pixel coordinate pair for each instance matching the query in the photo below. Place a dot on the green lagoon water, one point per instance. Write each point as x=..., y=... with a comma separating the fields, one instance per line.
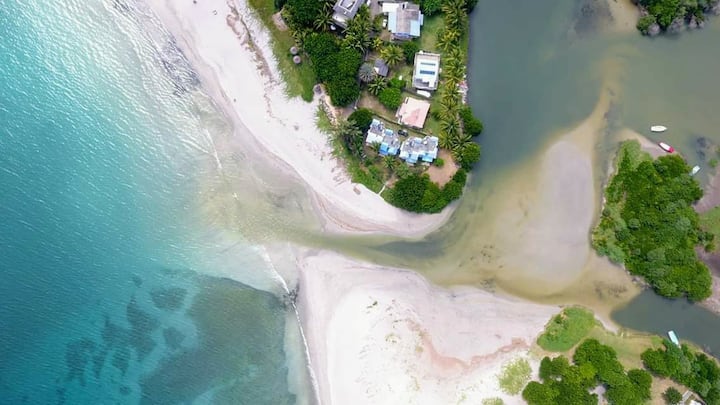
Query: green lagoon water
x=537, y=69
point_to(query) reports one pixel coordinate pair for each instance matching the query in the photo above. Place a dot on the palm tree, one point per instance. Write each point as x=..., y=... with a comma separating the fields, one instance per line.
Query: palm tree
x=448, y=38
x=323, y=21
x=392, y=55
x=377, y=43
x=450, y=99
x=445, y=140
x=350, y=135
x=376, y=86
x=367, y=73
x=450, y=126
x=389, y=162
x=359, y=40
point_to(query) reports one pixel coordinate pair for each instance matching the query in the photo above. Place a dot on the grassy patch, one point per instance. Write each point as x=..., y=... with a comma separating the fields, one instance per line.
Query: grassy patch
x=323, y=121
x=566, y=329
x=514, y=376
x=430, y=28
x=628, y=347
x=710, y=222
x=493, y=401
x=299, y=79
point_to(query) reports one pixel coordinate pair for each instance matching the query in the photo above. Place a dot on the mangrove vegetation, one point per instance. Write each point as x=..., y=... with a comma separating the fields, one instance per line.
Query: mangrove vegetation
x=649, y=225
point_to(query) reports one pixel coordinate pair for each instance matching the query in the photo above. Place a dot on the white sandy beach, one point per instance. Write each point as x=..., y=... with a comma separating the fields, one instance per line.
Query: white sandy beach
x=239, y=71
x=386, y=336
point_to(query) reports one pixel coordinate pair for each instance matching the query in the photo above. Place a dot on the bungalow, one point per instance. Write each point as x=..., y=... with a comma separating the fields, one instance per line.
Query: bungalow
x=413, y=112
x=426, y=71
x=404, y=20
x=414, y=149
x=387, y=139
x=345, y=10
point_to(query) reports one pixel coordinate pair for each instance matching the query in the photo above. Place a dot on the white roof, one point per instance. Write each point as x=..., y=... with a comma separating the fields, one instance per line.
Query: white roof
x=389, y=7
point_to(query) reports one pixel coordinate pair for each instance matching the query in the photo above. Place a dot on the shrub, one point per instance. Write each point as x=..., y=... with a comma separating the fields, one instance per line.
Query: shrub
x=362, y=118
x=566, y=329
x=672, y=396
x=644, y=23
x=410, y=48
x=303, y=13
x=514, y=376
x=348, y=62
x=471, y=125
x=439, y=162
x=430, y=7
x=343, y=90
x=396, y=83
x=469, y=155
x=408, y=192
x=391, y=98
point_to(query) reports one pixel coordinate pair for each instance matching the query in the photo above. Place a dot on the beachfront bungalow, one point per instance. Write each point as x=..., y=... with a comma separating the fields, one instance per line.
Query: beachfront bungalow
x=413, y=112
x=419, y=149
x=345, y=10
x=385, y=137
x=426, y=72
x=404, y=20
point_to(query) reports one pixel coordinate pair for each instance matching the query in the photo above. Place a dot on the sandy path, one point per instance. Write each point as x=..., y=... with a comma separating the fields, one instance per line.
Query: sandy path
x=230, y=50
x=386, y=336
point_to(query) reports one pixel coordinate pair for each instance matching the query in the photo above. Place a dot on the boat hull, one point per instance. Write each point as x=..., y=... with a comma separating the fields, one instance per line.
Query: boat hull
x=658, y=128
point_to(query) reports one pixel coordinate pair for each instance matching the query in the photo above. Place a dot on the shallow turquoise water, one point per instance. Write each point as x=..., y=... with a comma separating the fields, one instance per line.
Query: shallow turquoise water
x=105, y=292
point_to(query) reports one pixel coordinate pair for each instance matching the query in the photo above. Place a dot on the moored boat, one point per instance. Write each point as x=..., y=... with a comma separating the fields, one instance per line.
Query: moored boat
x=667, y=148
x=694, y=170
x=658, y=128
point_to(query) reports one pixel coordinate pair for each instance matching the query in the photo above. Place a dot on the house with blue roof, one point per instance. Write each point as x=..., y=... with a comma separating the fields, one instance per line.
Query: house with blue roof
x=419, y=149
x=388, y=140
x=404, y=20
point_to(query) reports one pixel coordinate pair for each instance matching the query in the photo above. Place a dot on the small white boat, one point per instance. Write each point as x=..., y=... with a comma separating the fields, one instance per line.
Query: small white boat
x=667, y=148
x=673, y=338
x=694, y=170
x=658, y=128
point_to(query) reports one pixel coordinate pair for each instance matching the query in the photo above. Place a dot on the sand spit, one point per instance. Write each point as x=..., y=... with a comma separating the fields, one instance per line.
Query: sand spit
x=386, y=336
x=231, y=51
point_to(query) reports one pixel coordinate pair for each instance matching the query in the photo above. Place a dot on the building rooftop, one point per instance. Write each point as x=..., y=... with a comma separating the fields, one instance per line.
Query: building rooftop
x=381, y=68
x=424, y=149
x=387, y=139
x=426, y=71
x=405, y=21
x=345, y=10
x=413, y=112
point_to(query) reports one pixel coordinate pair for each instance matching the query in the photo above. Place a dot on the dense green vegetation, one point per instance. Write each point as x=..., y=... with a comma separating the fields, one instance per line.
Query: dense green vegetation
x=514, y=376
x=566, y=329
x=417, y=193
x=335, y=66
x=593, y=364
x=648, y=223
x=362, y=118
x=665, y=13
x=690, y=368
x=391, y=98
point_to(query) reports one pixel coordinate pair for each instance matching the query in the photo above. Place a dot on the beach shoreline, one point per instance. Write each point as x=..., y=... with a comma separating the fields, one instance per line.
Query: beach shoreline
x=230, y=50
x=386, y=336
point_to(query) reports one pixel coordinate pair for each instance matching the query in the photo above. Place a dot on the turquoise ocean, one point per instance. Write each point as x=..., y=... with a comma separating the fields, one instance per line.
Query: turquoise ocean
x=114, y=288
